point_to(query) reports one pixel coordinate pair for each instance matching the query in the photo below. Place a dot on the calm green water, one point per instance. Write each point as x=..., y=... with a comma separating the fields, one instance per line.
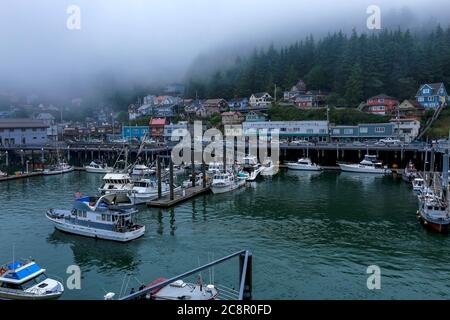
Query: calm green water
x=312, y=236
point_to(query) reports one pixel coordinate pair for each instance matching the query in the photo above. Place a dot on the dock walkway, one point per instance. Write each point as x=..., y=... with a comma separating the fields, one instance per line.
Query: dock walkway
x=179, y=197
x=21, y=176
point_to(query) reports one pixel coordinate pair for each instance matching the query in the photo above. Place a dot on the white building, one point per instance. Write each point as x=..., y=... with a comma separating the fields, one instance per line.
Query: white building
x=177, y=129
x=406, y=129
x=261, y=99
x=296, y=130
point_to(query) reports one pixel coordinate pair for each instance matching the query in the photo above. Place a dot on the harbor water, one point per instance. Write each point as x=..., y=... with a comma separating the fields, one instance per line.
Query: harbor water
x=312, y=236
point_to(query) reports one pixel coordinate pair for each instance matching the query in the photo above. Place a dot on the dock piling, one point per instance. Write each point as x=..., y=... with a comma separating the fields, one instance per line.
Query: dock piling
x=158, y=164
x=171, y=179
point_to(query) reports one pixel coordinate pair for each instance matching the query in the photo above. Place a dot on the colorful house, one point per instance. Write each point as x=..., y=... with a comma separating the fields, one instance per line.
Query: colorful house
x=214, y=106
x=410, y=109
x=260, y=99
x=432, y=95
x=232, y=117
x=255, y=116
x=134, y=132
x=157, y=127
x=381, y=105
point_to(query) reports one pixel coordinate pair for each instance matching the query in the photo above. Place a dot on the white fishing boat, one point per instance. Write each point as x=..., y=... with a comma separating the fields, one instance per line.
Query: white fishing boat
x=95, y=167
x=145, y=190
x=3, y=174
x=251, y=165
x=303, y=164
x=433, y=212
x=198, y=180
x=116, y=183
x=370, y=164
x=26, y=280
x=142, y=170
x=269, y=168
x=225, y=182
x=93, y=217
x=60, y=168
x=418, y=185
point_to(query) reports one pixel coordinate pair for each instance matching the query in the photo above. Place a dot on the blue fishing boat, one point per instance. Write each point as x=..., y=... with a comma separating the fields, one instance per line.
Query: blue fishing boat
x=26, y=280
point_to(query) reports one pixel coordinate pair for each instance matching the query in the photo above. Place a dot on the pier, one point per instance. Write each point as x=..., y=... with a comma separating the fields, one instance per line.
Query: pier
x=179, y=197
x=21, y=176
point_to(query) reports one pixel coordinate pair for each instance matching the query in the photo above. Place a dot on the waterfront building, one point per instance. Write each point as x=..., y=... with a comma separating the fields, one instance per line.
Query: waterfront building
x=432, y=95
x=157, y=127
x=362, y=132
x=381, y=105
x=304, y=130
x=232, y=117
x=135, y=132
x=406, y=129
x=176, y=129
x=260, y=99
x=14, y=132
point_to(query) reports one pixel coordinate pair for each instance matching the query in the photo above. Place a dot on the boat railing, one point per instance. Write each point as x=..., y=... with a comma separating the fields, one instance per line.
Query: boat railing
x=245, y=276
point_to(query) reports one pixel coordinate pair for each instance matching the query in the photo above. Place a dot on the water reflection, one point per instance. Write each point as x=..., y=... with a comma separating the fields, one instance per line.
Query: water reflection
x=105, y=255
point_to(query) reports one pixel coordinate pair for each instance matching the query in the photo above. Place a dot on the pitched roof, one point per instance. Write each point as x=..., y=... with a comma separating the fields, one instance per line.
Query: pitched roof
x=414, y=103
x=214, y=101
x=382, y=96
x=231, y=113
x=158, y=121
x=260, y=94
x=434, y=87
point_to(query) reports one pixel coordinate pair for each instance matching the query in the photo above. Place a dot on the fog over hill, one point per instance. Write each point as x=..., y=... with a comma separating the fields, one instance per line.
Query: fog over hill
x=121, y=44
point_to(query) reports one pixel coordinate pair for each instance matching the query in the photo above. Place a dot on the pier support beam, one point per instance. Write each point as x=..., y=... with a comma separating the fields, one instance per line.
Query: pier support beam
x=193, y=167
x=204, y=173
x=158, y=166
x=171, y=179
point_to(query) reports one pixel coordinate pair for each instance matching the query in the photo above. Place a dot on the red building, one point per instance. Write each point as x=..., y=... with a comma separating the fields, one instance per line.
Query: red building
x=157, y=128
x=381, y=104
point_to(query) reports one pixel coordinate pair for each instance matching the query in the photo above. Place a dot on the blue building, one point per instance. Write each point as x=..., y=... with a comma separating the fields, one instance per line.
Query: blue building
x=255, y=116
x=362, y=132
x=432, y=95
x=135, y=132
x=14, y=132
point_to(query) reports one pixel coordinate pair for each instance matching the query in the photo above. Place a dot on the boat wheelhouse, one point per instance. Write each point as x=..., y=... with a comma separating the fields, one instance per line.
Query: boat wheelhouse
x=116, y=183
x=95, y=167
x=145, y=190
x=94, y=217
x=433, y=213
x=26, y=280
x=225, y=182
x=304, y=164
x=410, y=173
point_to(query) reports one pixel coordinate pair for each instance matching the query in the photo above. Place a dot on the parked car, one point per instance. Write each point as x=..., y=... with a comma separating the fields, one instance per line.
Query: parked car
x=388, y=141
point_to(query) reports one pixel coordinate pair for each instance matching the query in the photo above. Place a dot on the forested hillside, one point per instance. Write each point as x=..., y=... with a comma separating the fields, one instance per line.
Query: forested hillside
x=350, y=67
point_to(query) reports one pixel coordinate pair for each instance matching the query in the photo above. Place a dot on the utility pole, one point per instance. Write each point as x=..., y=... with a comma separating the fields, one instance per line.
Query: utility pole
x=275, y=93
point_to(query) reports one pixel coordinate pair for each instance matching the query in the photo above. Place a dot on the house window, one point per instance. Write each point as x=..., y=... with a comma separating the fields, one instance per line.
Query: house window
x=336, y=131
x=309, y=131
x=430, y=99
x=380, y=129
x=363, y=130
x=426, y=91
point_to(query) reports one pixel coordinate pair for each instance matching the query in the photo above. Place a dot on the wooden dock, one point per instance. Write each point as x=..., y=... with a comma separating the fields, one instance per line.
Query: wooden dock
x=179, y=197
x=21, y=176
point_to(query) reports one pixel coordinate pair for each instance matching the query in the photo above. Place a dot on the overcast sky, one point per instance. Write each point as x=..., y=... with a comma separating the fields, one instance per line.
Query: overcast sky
x=156, y=40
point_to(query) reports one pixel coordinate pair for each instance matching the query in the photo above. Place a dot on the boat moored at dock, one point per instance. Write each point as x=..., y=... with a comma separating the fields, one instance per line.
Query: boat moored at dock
x=95, y=167
x=410, y=173
x=93, y=217
x=433, y=213
x=370, y=164
x=303, y=164
x=116, y=183
x=60, y=168
x=226, y=182
x=26, y=280
x=269, y=168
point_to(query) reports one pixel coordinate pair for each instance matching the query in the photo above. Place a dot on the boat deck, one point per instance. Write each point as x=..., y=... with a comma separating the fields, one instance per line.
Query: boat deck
x=179, y=197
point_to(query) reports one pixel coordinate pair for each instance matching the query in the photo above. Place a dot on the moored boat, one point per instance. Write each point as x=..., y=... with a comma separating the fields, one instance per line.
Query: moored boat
x=433, y=213
x=269, y=168
x=93, y=217
x=60, y=168
x=410, y=173
x=95, y=167
x=226, y=182
x=142, y=170
x=180, y=290
x=3, y=174
x=26, y=280
x=370, y=164
x=116, y=183
x=304, y=164
x=145, y=190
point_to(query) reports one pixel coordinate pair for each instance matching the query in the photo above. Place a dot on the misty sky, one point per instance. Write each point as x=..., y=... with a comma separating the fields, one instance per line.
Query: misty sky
x=156, y=40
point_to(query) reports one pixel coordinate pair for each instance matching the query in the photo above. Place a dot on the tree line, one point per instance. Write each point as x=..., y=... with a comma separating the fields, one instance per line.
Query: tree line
x=350, y=68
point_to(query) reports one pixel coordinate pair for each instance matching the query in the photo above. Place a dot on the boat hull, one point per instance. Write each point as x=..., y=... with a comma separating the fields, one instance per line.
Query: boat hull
x=363, y=169
x=300, y=167
x=443, y=227
x=217, y=189
x=80, y=230
x=50, y=173
x=21, y=295
x=98, y=170
x=269, y=171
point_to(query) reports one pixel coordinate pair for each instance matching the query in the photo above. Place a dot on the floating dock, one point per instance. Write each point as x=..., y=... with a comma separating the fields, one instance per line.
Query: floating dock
x=21, y=176
x=179, y=197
